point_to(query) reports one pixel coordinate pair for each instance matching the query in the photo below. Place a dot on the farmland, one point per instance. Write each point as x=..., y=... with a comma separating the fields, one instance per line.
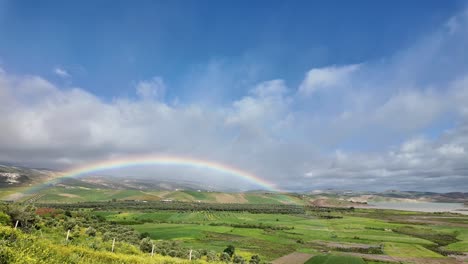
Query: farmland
x=273, y=226
x=387, y=234
x=85, y=194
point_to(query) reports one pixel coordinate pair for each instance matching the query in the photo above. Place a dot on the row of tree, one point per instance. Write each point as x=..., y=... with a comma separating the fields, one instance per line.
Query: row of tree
x=182, y=206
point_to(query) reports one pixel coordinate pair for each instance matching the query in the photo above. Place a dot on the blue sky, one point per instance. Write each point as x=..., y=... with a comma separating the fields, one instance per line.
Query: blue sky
x=304, y=93
x=111, y=44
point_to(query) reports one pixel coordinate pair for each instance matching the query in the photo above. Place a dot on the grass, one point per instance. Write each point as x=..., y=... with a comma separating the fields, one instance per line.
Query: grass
x=409, y=250
x=28, y=248
x=333, y=259
x=215, y=230
x=81, y=192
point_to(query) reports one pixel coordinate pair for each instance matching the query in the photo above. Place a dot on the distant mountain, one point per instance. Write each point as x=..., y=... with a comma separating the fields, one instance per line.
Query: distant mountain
x=16, y=176
x=124, y=183
x=19, y=176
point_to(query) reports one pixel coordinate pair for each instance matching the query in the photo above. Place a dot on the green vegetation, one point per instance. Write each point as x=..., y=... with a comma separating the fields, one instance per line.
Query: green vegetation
x=333, y=259
x=80, y=191
x=48, y=235
x=18, y=247
x=213, y=232
x=271, y=235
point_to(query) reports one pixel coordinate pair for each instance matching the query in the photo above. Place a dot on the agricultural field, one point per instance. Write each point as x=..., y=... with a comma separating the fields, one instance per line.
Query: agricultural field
x=274, y=235
x=277, y=227
x=74, y=194
x=331, y=259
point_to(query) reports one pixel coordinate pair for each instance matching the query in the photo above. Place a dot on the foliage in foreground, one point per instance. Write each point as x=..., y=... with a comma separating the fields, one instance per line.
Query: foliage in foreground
x=18, y=247
x=40, y=238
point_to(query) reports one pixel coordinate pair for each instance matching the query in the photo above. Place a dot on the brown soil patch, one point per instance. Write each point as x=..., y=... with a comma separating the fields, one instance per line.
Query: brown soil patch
x=293, y=258
x=462, y=258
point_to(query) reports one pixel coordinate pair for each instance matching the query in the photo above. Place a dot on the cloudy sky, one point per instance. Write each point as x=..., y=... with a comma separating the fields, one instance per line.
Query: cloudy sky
x=358, y=95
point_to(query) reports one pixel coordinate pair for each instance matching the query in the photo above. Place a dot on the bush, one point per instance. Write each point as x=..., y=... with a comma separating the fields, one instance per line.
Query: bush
x=144, y=234
x=69, y=224
x=90, y=231
x=230, y=250
x=225, y=257
x=5, y=219
x=211, y=256
x=146, y=245
x=255, y=259
x=238, y=259
x=25, y=215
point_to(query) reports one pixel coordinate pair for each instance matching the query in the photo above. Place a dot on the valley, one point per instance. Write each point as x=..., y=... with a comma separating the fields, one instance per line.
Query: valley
x=329, y=226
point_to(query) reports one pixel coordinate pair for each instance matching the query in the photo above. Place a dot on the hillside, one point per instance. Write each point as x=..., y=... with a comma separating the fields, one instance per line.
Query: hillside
x=16, y=176
x=15, y=183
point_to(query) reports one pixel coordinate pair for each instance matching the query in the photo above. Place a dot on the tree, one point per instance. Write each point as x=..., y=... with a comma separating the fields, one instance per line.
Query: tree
x=144, y=234
x=230, y=250
x=69, y=224
x=238, y=259
x=25, y=215
x=90, y=231
x=255, y=259
x=146, y=244
x=4, y=219
x=225, y=257
x=211, y=256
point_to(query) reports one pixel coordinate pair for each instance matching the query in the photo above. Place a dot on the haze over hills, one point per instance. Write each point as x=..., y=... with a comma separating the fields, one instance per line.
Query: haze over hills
x=101, y=187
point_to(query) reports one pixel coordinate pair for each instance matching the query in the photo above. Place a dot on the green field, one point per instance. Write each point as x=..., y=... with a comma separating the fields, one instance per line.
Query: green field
x=333, y=259
x=255, y=225
x=82, y=193
x=255, y=233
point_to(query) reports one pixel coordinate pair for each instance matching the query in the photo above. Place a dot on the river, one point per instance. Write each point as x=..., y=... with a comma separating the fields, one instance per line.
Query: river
x=421, y=206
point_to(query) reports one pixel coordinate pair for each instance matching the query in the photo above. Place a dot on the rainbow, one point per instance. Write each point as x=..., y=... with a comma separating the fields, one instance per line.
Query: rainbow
x=157, y=160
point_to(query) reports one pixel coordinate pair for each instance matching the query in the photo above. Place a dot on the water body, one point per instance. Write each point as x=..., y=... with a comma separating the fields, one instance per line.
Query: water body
x=421, y=206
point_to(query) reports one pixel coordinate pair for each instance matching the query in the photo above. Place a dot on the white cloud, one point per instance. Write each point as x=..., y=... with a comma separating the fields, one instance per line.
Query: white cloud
x=451, y=150
x=265, y=106
x=61, y=72
x=151, y=89
x=381, y=122
x=328, y=77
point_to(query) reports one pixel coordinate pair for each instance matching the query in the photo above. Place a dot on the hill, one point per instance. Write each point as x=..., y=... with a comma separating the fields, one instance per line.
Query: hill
x=15, y=183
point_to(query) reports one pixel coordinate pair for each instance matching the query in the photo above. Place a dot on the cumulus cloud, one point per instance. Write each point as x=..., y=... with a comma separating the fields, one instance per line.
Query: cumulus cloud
x=151, y=89
x=61, y=72
x=397, y=123
x=418, y=164
x=328, y=77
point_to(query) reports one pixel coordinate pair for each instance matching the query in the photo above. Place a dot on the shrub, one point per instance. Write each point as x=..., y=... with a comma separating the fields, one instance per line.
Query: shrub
x=144, y=234
x=5, y=219
x=69, y=224
x=211, y=256
x=238, y=259
x=255, y=259
x=146, y=245
x=90, y=231
x=25, y=215
x=225, y=257
x=230, y=250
